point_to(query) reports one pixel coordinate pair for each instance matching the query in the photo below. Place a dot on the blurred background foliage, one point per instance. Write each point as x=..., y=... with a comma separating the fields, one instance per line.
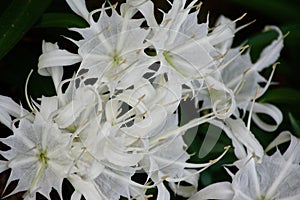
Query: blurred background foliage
x=25, y=23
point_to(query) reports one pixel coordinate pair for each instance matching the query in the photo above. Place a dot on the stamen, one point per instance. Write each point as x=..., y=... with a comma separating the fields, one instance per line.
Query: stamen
x=185, y=97
x=269, y=80
x=26, y=92
x=149, y=196
x=198, y=6
x=142, y=97
x=251, y=109
x=166, y=21
x=143, y=115
x=241, y=17
x=115, y=5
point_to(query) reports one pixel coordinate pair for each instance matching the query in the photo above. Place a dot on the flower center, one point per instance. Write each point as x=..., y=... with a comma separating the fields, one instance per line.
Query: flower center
x=43, y=157
x=116, y=58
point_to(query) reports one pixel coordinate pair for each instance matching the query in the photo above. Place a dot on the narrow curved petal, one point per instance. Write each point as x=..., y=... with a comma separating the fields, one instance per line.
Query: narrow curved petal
x=9, y=108
x=3, y=165
x=57, y=57
x=88, y=188
x=283, y=137
x=221, y=190
x=79, y=7
x=269, y=110
x=245, y=137
x=271, y=53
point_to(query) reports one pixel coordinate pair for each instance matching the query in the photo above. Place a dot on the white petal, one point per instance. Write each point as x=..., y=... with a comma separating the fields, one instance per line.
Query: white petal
x=48, y=106
x=56, y=58
x=76, y=195
x=147, y=9
x=88, y=188
x=223, y=33
x=283, y=137
x=269, y=110
x=227, y=34
x=294, y=197
x=3, y=165
x=222, y=190
x=220, y=95
x=162, y=192
x=79, y=7
x=293, y=149
x=271, y=53
x=245, y=137
x=118, y=156
x=151, y=125
x=8, y=107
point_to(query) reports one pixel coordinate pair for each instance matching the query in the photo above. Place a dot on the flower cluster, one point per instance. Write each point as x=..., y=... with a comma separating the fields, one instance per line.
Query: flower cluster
x=117, y=116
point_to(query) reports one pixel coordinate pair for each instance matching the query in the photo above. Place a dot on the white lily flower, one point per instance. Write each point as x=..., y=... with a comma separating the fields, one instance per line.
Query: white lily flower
x=276, y=177
x=182, y=44
x=241, y=77
x=115, y=55
x=39, y=157
x=112, y=48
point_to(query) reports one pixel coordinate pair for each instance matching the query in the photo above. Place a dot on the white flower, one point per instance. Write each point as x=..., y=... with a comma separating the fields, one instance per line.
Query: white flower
x=39, y=156
x=112, y=48
x=182, y=44
x=241, y=80
x=276, y=177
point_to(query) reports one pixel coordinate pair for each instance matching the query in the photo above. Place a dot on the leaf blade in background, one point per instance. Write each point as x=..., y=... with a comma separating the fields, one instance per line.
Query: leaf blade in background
x=287, y=10
x=61, y=20
x=17, y=19
x=282, y=96
x=295, y=125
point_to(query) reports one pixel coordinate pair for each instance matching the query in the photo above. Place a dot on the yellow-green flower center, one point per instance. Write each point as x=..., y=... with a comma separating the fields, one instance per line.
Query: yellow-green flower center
x=43, y=157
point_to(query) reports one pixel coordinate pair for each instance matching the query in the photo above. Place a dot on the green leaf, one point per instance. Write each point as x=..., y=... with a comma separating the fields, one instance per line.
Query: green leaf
x=61, y=20
x=17, y=19
x=280, y=9
x=295, y=125
x=282, y=96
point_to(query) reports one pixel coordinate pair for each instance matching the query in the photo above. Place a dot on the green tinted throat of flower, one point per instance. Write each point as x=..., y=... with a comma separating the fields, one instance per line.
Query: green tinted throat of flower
x=168, y=57
x=116, y=59
x=42, y=156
